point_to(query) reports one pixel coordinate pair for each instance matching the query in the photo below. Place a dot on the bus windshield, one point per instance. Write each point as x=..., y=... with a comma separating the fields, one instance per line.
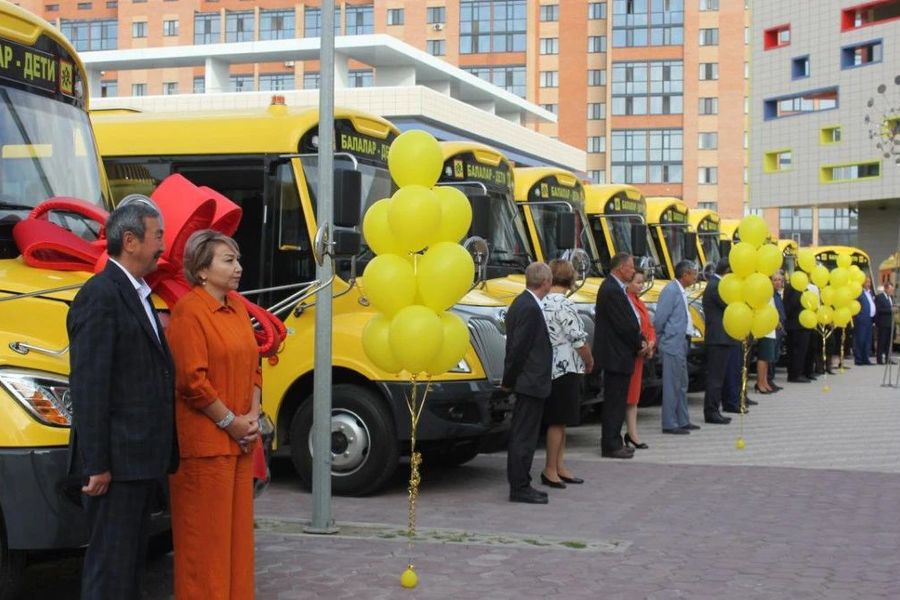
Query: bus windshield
x=710, y=243
x=545, y=218
x=46, y=150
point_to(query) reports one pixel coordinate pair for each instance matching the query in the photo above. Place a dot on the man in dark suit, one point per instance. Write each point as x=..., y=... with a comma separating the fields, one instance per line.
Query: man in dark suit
x=862, y=326
x=798, y=336
x=122, y=386
x=617, y=341
x=527, y=372
x=884, y=321
x=719, y=346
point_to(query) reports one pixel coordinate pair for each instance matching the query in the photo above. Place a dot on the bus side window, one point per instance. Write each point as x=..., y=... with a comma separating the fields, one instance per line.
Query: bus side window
x=292, y=259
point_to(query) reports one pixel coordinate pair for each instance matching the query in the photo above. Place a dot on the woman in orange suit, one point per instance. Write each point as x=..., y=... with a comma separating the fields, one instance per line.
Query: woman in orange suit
x=217, y=378
x=634, y=387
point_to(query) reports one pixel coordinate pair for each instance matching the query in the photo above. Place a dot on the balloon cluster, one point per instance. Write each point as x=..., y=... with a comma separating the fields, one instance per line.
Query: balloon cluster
x=420, y=270
x=836, y=303
x=748, y=290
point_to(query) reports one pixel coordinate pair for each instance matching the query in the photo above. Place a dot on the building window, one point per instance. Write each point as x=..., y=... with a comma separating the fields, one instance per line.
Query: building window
x=596, y=77
x=91, y=35
x=436, y=47
x=170, y=88
x=549, y=46
x=709, y=106
x=138, y=89
x=274, y=82
x=596, y=10
x=714, y=206
x=707, y=175
x=709, y=37
x=435, y=14
x=871, y=13
x=312, y=22
x=746, y=36
x=395, y=16
x=549, y=13
x=862, y=54
x=549, y=79
x=800, y=67
x=199, y=86
x=646, y=156
x=597, y=176
x=486, y=26
x=708, y=140
x=596, y=143
x=796, y=224
x=361, y=78
x=207, y=28
x=311, y=81
x=241, y=83
x=239, y=26
x=109, y=89
x=852, y=172
x=277, y=24
x=777, y=161
x=596, y=111
x=554, y=108
x=838, y=227
x=830, y=135
x=809, y=102
x=509, y=77
x=139, y=29
x=746, y=70
x=596, y=43
x=112, y=3
x=85, y=5
x=709, y=71
x=641, y=88
x=645, y=23
x=51, y=7
x=777, y=37
x=359, y=20
x=709, y=5
x=170, y=27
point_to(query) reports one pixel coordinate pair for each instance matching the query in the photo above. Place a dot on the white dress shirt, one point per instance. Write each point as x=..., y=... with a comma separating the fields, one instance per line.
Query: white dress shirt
x=143, y=291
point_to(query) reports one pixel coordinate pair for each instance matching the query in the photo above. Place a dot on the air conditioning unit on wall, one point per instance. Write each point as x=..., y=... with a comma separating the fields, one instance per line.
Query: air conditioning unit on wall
x=438, y=26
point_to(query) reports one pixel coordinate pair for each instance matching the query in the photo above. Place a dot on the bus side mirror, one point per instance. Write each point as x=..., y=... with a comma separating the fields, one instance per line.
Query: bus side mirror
x=565, y=230
x=347, y=198
x=638, y=239
x=724, y=247
x=690, y=246
x=481, y=216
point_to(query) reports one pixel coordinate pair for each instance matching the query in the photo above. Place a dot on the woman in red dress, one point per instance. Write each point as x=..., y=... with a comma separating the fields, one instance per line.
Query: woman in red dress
x=634, y=388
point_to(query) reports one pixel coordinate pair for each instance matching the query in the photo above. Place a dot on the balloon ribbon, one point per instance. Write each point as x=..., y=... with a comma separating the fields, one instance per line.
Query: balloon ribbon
x=415, y=406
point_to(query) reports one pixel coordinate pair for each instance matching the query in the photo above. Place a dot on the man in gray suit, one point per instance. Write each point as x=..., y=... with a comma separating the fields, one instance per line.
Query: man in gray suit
x=673, y=337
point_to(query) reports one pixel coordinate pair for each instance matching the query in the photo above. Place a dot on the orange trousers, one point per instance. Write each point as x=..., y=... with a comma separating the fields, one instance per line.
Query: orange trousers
x=212, y=528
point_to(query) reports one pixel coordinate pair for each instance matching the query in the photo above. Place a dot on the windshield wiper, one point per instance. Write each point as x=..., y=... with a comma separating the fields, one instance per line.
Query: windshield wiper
x=14, y=206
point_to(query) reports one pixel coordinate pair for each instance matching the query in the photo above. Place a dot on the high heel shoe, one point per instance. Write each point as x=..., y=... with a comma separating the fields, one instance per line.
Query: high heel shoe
x=762, y=391
x=631, y=443
x=550, y=483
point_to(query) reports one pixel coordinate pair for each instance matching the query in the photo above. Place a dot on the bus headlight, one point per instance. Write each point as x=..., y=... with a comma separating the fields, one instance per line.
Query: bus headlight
x=44, y=395
x=461, y=367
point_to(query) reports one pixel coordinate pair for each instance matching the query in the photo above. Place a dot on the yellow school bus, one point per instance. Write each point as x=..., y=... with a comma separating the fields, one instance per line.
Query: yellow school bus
x=827, y=255
x=267, y=162
x=667, y=218
x=789, y=249
x=707, y=225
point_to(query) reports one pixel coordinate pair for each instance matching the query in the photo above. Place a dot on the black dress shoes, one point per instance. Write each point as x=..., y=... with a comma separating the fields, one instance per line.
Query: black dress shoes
x=751, y=402
x=691, y=427
x=736, y=410
x=800, y=379
x=717, y=419
x=528, y=495
x=550, y=483
x=572, y=480
x=677, y=431
x=622, y=452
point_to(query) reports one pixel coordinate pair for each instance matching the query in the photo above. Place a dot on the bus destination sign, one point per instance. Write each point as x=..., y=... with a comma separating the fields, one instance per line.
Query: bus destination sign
x=549, y=188
x=35, y=68
x=620, y=204
x=468, y=168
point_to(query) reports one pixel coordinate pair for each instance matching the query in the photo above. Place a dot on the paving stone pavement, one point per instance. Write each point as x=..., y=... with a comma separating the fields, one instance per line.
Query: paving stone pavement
x=809, y=509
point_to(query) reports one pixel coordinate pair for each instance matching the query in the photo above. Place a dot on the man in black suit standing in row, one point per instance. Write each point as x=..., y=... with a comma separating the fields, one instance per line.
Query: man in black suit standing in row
x=884, y=322
x=720, y=348
x=798, y=336
x=122, y=385
x=527, y=372
x=617, y=341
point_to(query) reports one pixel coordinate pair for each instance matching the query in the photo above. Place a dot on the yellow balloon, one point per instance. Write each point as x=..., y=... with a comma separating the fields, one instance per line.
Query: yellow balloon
x=742, y=258
x=839, y=277
x=389, y=283
x=456, y=214
x=731, y=288
x=765, y=320
x=444, y=274
x=828, y=295
x=808, y=318
x=768, y=259
x=758, y=290
x=806, y=259
x=737, y=320
x=809, y=299
x=414, y=216
x=825, y=315
x=456, y=343
x=842, y=316
x=799, y=281
x=842, y=297
x=855, y=307
x=753, y=230
x=377, y=231
x=415, y=158
x=844, y=260
x=819, y=276
x=740, y=443
x=416, y=336
x=856, y=289
x=409, y=579
x=376, y=344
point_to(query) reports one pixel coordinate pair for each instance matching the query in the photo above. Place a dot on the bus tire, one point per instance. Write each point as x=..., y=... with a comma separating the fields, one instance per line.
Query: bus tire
x=12, y=564
x=364, y=446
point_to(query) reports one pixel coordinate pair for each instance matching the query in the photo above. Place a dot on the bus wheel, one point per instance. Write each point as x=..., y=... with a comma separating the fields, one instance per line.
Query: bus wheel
x=12, y=564
x=364, y=450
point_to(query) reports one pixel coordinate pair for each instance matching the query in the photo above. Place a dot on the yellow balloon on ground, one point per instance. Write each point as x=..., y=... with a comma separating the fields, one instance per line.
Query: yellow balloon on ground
x=765, y=320
x=737, y=320
x=456, y=342
x=753, y=230
x=768, y=259
x=389, y=283
x=416, y=336
x=415, y=158
x=758, y=290
x=444, y=273
x=839, y=277
x=376, y=344
x=842, y=297
x=742, y=258
x=806, y=259
x=808, y=299
x=415, y=217
x=456, y=214
x=799, y=281
x=828, y=295
x=819, y=276
x=844, y=260
x=842, y=316
x=855, y=307
x=409, y=579
x=825, y=315
x=808, y=318
x=377, y=231
x=731, y=288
